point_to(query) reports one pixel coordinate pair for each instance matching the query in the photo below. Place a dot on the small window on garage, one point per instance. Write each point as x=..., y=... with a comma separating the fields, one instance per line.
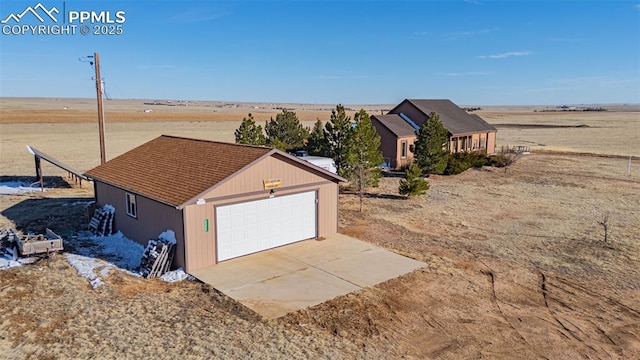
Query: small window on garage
x=132, y=208
x=403, y=148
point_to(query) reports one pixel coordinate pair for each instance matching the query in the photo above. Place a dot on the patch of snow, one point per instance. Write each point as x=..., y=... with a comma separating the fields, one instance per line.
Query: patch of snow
x=109, y=208
x=96, y=283
x=85, y=266
x=119, y=250
x=96, y=256
x=6, y=263
x=113, y=251
x=175, y=275
x=28, y=260
x=15, y=188
x=79, y=203
x=169, y=236
x=105, y=271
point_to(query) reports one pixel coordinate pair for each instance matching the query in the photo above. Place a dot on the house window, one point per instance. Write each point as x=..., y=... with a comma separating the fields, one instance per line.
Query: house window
x=132, y=208
x=475, y=144
x=403, y=149
x=482, y=143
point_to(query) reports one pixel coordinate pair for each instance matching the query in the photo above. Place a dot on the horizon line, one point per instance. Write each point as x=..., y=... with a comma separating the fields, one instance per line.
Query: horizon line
x=300, y=103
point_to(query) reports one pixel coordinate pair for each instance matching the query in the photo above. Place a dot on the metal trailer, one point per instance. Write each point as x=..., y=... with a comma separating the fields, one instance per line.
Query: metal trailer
x=37, y=244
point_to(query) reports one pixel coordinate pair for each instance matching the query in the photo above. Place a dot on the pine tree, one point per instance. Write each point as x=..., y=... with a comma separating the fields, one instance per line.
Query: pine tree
x=317, y=144
x=364, y=156
x=336, y=133
x=413, y=183
x=429, y=149
x=286, y=132
x=249, y=132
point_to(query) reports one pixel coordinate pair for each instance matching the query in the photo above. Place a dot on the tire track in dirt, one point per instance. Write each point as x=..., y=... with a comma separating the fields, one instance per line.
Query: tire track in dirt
x=609, y=300
x=584, y=319
x=543, y=287
x=494, y=299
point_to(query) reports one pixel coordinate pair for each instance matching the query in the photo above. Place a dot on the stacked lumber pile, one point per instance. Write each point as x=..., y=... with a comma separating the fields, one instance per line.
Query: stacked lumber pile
x=102, y=222
x=157, y=257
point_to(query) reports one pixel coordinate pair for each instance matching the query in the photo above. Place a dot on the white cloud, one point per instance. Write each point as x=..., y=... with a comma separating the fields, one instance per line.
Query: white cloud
x=474, y=2
x=507, y=54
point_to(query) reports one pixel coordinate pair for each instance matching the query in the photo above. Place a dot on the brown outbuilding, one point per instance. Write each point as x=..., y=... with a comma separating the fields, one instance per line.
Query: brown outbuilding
x=222, y=200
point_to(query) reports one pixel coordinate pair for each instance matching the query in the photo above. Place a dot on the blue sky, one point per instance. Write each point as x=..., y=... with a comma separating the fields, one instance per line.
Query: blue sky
x=473, y=52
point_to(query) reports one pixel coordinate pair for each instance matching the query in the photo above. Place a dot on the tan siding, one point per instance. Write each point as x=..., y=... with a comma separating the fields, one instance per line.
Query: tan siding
x=153, y=218
x=391, y=147
x=250, y=180
x=491, y=142
x=489, y=138
x=328, y=209
x=388, y=143
x=197, y=247
x=401, y=162
x=200, y=245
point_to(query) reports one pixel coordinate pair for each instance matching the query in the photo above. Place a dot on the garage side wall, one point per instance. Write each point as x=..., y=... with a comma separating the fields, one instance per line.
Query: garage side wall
x=200, y=227
x=152, y=218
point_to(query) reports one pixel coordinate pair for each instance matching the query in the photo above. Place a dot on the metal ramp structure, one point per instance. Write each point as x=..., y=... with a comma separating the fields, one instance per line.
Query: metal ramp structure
x=39, y=156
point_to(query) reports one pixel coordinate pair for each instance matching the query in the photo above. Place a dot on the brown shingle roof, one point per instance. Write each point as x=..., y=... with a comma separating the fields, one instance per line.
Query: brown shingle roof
x=174, y=170
x=396, y=125
x=455, y=119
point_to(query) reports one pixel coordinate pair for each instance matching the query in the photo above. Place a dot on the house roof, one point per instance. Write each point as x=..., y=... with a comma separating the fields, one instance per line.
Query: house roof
x=175, y=170
x=396, y=124
x=455, y=119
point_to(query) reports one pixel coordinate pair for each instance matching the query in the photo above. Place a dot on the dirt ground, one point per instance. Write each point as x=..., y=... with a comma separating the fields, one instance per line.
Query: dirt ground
x=517, y=269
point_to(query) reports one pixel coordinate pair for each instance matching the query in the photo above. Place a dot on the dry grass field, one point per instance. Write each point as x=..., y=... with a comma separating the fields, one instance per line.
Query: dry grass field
x=517, y=266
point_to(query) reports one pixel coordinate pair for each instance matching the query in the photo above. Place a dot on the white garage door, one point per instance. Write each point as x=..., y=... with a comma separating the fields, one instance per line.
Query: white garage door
x=254, y=226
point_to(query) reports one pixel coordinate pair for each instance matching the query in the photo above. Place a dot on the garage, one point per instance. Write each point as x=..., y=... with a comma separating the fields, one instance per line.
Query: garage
x=252, y=226
x=222, y=200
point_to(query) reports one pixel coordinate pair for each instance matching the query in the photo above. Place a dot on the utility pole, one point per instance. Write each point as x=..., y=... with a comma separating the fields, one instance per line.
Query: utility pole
x=103, y=155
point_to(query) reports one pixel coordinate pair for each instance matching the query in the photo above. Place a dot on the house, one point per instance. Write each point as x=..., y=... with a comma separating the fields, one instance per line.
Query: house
x=397, y=129
x=222, y=200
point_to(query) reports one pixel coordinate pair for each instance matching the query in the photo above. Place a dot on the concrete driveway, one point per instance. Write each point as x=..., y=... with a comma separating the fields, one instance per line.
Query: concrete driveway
x=278, y=281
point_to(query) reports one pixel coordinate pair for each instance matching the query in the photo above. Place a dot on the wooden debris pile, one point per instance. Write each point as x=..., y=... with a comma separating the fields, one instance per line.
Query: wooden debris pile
x=157, y=257
x=102, y=222
x=7, y=244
